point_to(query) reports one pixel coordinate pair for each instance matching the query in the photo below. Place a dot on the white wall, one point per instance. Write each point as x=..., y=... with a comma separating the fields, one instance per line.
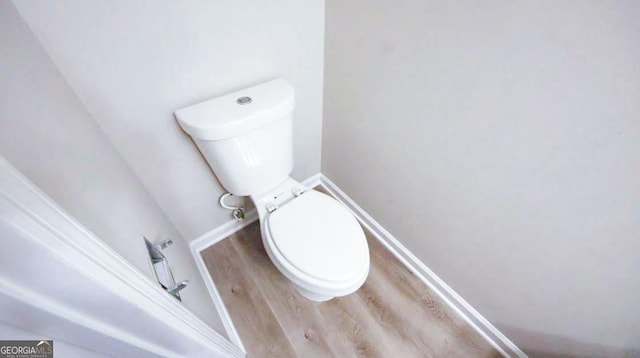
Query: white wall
x=500, y=142
x=133, y=63
x=50, y=137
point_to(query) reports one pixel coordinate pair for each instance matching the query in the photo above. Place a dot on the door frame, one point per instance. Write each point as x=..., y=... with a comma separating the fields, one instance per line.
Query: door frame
x=37, y=219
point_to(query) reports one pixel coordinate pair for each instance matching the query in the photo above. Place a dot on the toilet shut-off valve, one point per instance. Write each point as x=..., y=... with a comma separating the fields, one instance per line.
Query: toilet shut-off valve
x=236, y=211
x=238, y=214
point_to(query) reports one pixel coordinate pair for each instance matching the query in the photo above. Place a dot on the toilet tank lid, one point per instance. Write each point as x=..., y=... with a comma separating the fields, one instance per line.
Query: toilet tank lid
x=238, y=112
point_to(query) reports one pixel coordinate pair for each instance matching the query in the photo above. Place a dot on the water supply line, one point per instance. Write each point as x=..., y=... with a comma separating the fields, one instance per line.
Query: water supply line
x=236, y=211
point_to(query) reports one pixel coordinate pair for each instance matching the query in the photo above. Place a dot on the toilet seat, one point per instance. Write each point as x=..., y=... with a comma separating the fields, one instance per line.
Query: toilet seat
x=318, y=240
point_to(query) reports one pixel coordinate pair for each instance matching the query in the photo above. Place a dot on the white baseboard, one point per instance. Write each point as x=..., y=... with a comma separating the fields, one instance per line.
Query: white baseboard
x=223, y=231
x=498, y=340
x=216, y=235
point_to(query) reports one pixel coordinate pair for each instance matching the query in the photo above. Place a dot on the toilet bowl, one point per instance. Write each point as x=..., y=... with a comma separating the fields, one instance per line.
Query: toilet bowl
x=246, y=138
x=313, y=240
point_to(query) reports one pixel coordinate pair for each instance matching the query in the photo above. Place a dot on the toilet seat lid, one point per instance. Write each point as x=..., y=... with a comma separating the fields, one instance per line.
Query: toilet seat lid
x=319, y=236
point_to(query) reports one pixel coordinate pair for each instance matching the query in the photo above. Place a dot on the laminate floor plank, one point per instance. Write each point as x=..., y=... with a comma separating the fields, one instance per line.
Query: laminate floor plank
x=253, y=319
x=419, y=301
x=301, y=322
x=393, y=314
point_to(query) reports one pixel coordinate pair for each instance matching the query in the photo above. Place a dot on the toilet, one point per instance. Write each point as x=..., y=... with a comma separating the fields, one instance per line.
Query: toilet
x=311, y=238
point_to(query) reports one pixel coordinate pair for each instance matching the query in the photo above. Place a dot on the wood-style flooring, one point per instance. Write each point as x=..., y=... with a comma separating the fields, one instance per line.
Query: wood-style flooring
x=392, y=315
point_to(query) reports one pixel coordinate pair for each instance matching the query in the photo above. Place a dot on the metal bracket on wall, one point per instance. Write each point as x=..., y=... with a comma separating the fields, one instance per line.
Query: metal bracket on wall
x=162, y=269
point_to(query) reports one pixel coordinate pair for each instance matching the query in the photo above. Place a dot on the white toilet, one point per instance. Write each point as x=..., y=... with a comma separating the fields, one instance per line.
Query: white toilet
x=247, y=138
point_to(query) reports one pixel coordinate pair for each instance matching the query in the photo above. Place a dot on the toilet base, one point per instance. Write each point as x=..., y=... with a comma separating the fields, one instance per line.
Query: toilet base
x=313, y=296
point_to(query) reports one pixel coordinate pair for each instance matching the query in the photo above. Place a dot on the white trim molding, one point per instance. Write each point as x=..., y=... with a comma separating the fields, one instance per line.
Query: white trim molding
x=498, y=340
x=34, y=222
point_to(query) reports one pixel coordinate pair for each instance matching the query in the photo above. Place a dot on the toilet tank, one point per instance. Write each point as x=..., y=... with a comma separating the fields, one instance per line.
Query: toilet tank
x=245, y=136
